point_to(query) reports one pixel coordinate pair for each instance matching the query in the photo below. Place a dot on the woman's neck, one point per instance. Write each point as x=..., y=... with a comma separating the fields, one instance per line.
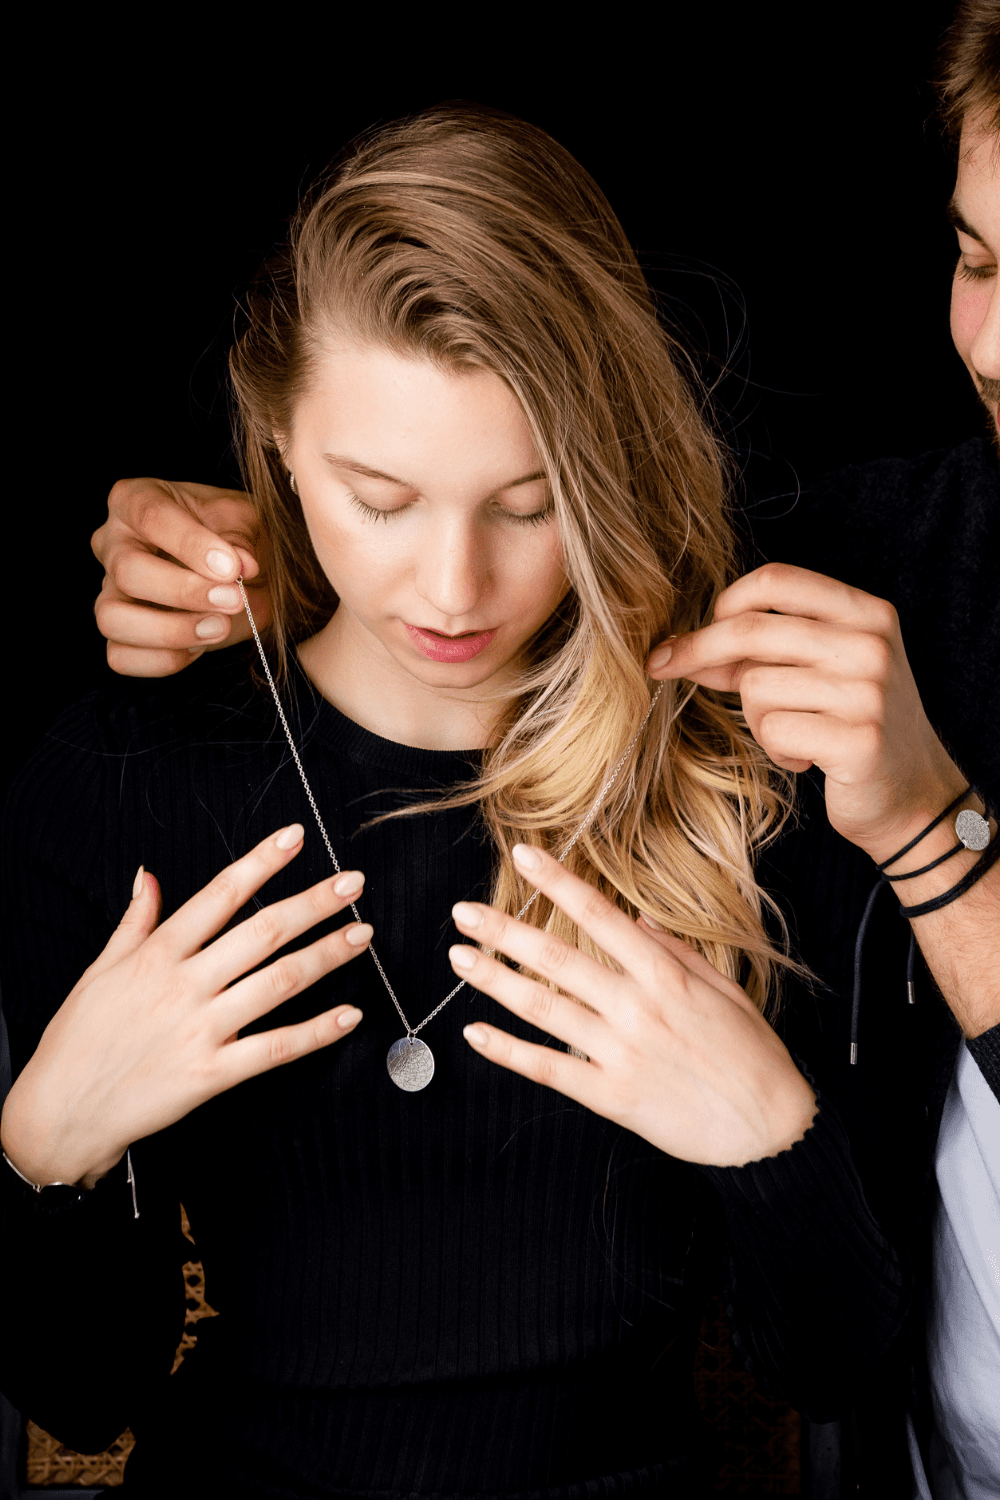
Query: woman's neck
x=355, y=673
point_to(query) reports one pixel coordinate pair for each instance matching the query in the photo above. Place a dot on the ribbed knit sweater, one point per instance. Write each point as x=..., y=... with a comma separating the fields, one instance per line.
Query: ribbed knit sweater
x=479, y=1289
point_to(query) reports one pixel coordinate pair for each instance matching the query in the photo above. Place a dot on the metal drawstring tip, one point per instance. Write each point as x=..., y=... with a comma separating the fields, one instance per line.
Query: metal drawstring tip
x=131, y=1180
x=854, y=1053
x=911, y=994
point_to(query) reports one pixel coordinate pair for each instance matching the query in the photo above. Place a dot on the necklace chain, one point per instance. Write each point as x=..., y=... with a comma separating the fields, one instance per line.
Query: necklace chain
x=411, y=1031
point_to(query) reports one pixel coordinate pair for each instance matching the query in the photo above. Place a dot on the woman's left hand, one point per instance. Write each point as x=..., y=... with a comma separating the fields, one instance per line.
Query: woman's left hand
x=824, y=680
x=676, y=1052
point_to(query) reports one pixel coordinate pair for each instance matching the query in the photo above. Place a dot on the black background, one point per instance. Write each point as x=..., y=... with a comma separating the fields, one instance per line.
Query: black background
x=779, y=175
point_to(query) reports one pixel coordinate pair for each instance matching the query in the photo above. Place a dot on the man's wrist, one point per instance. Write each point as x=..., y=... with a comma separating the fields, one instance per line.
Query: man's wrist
x=913, y=889
x=948, y=789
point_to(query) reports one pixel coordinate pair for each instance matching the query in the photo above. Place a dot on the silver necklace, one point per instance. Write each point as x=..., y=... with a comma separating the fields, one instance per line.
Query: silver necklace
x=411, y=1061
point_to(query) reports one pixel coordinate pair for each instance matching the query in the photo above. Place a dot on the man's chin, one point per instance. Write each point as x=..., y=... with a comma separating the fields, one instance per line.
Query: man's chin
x=994, y=428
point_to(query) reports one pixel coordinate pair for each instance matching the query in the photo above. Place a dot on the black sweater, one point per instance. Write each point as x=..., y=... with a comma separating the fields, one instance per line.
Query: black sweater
x=477, y=1289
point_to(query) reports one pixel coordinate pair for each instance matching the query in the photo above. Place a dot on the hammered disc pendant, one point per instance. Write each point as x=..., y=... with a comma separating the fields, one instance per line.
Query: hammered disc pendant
x=410, y=1063
x=972, y=829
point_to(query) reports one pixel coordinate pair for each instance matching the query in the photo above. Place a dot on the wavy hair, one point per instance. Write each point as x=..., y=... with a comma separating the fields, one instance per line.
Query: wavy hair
x=470, y=238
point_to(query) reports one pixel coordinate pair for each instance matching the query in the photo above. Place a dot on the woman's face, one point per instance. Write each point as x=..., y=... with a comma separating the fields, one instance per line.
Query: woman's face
x=425, y=501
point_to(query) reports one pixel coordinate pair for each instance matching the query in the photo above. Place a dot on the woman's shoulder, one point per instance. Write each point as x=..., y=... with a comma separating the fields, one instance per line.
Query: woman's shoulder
x=134, y=712
x=90, y=744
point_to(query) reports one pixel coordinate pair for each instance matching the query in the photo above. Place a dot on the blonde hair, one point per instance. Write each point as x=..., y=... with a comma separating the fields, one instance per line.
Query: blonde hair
x=470, y=238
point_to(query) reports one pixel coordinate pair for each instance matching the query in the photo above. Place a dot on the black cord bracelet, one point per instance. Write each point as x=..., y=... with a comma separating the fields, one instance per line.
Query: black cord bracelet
x=914, y=842
x=932, y=866
x=987, y=859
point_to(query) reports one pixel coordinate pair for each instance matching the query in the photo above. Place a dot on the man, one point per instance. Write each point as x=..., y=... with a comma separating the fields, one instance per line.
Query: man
x=922, y=533
x=919, y=533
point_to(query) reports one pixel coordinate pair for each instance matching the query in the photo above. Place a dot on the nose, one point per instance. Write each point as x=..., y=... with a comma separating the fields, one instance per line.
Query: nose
x=984, y=353
x=451, y=572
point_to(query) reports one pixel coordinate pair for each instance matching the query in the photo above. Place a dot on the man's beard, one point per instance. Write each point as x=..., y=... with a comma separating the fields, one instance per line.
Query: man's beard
x=989, y=394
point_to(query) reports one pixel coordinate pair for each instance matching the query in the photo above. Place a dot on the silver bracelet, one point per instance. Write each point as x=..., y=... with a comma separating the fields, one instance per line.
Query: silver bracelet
x=72, y=1187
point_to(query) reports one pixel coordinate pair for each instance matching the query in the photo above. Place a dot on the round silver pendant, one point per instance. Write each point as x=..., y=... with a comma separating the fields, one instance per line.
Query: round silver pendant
x=972, y=829
x=410, y=1063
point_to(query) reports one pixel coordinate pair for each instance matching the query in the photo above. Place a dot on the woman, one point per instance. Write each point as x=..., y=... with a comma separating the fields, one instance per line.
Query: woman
x=486, y=492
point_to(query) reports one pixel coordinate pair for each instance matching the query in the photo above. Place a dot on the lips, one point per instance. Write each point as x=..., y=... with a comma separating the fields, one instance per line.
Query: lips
x=449, y=648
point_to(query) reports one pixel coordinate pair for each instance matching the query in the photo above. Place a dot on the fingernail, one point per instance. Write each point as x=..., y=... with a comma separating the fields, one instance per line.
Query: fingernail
x=349, y=1018
x=467, y=915
x=661, y=656
x=196, y=650
x=224, y=597
x=220, y=562
x=137, y=883
x=211, y=628
x=290, y=836
x=526, y=858
x=476, y=1035
x=462, y=958
x=349, y=884
x=650, y=923
x=358, y=934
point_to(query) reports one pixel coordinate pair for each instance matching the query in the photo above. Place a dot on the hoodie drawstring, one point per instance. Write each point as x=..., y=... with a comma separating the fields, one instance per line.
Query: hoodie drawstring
x=859, y=941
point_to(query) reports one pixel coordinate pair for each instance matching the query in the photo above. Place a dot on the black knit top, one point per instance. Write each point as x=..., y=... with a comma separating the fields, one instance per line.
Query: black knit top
x=479, y=1289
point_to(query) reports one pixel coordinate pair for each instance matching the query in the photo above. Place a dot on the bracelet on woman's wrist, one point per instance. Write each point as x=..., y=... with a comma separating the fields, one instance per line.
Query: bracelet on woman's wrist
x=61, y=1191
x=70, y=1192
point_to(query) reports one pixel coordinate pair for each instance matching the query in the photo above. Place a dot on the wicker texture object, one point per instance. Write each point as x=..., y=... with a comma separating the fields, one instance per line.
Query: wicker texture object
x=49, y=1463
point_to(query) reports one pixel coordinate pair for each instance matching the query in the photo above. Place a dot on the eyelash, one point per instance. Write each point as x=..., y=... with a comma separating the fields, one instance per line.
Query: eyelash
x=975, y=273
x=535, y=519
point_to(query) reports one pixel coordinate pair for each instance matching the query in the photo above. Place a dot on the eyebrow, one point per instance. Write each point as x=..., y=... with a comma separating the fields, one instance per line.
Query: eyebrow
x=957, y=221
x=341, y=461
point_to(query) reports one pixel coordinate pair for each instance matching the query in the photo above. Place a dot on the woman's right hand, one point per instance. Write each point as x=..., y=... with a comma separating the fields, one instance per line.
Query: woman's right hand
x=171, y=556
x=150, y=1030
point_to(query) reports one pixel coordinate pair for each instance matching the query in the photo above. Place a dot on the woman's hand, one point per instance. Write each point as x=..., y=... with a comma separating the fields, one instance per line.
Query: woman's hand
x=171, y=555
x=824, y=680
x=677, y=1053
x=150, y=1030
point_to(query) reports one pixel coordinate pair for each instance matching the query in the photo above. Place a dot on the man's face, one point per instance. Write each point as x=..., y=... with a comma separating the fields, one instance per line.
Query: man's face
x=975, y=296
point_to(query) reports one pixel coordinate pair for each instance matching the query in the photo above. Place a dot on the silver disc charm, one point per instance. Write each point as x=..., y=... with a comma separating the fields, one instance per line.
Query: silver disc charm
x=410, y=1063
x=972, y=829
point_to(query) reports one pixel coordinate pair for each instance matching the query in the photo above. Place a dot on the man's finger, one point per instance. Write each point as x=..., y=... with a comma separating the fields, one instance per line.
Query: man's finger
x=140, y=661
x=847, y=753
x=129, y=623
x=139, y=575
x=715, y=654
x=159, y=513
x=797, y=591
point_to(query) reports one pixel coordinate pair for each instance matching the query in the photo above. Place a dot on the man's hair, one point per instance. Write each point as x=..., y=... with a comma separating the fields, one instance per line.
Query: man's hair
x=967, y=76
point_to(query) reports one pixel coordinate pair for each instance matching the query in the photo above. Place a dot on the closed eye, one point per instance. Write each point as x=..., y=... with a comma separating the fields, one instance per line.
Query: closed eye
x=372, y=511
x=975, y=273
x=534, y=518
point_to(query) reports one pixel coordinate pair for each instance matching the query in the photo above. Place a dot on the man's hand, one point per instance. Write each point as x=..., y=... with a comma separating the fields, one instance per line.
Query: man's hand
x=824, y=680
x=171, y=555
